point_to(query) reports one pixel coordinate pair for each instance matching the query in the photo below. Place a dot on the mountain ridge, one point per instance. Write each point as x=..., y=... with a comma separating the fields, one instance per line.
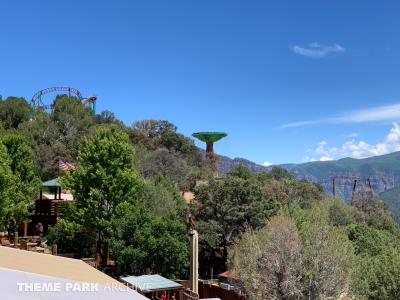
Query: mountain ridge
x=383, y=171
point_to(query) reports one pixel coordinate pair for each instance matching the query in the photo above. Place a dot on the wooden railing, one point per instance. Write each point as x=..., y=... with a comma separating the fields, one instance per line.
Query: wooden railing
x=49, y=208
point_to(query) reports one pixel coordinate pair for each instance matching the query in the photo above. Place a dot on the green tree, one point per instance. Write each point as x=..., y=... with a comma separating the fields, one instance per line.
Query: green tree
x=162, y=197
x=378, y=277
x=301, y=259
x=73, y=121
x=269, y=263
x=376, y=267
x=71, y=237
x=13, y=112
x=7, y=180
x=142, y=242
x=43, y=135
x=224, y=207
x=373, y=211
x=280, y=173
x=105, y=177
x=26, y=182
x=327, y=254
x=327, y=259
x=369, y=241
x=166, y=163
x=156, y=133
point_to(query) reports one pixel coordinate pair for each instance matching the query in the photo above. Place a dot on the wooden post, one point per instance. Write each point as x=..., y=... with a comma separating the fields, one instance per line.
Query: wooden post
x=54, y=249
x=25, y=228
x=16, y=239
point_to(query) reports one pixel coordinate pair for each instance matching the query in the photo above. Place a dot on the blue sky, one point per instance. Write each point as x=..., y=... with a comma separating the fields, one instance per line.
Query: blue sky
x=290, y=81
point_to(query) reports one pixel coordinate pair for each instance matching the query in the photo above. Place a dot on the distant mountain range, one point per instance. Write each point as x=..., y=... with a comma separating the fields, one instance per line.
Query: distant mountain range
x=383, y=171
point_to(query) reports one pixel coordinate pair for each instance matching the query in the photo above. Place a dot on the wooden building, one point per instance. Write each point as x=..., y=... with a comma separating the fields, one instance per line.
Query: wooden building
x=48, y=207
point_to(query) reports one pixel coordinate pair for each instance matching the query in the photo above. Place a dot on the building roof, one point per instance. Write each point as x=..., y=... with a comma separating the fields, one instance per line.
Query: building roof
x=52, y=183
x=19, y=285
x=230, y=274
x=51, y=265
x=147, y=283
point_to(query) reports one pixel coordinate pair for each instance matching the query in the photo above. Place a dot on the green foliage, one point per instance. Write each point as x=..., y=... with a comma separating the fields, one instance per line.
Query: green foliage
x=340, y=214
x=392, y=199
x=269, y=262
x=57, y=135
x=229, y=204
x=160, y=133
x=283, y=261
x=104, y=178
x=241, y=172
x=143, y=241
x=373, y=211
x=378, y=277
x=72, y=238
x=107, y=117
x=327, y=255
x=168, y=164
x=13, y=112
x=25, y=183
x=373, y=276
x=163, y=198
x=369, y=241
x=22, y=163
x=280, y=173
x=6, y=186
x=73, y=121
x=224, y=207
x=133, y=203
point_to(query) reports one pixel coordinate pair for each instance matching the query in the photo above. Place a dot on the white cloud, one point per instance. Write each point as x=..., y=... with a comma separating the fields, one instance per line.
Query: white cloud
x=352, y=135
x=309, y=159
x=374, y=114
x=326, y=158
x=301, y=123
x=267, y=163
x=316, y=50
x=360, y=149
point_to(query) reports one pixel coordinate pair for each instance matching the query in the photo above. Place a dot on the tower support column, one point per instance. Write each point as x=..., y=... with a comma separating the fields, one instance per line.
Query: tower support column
x=194, y=261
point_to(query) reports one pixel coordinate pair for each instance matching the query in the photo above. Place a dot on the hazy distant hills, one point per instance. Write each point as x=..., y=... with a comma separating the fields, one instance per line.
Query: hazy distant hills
x=383, y=171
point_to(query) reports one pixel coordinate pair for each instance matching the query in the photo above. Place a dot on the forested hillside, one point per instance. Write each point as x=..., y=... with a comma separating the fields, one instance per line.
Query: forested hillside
x=383, y=171
x=128, y=184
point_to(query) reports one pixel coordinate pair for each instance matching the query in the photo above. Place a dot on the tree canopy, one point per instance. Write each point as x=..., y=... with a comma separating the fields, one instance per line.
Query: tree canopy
x=104, y=178
x=284, y=237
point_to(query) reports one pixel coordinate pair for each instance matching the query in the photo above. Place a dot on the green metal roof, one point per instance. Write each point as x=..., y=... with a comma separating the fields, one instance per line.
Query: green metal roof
x=151, y=282
x=209, y=136
x=52, y=183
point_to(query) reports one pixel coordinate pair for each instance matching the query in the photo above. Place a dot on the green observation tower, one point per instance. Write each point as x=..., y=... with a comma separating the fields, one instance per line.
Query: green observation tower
x=210, y=138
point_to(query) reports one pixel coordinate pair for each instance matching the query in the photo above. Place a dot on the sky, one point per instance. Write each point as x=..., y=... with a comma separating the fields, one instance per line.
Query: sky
x=289, y=81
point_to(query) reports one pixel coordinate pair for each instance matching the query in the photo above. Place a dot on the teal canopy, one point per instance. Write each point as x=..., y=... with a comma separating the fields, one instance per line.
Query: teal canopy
x=52, y=183
x=148, y=283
